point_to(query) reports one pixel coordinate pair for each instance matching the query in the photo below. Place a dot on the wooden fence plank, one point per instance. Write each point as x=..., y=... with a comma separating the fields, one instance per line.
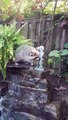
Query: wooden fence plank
x=58, y=37
x=47, y=38
x=25, y=29
x=33, y=28
x=42, y=30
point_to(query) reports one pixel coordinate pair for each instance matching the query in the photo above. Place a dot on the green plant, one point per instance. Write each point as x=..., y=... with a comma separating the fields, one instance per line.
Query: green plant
x=6, y=9
x=54, y=58
x=57, y=56
x=66, y=45
x=58, y=53
x=28, y=8
x=10, y=38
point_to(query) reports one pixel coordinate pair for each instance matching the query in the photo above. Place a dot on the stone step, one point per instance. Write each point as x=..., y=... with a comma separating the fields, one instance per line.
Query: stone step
x=32, y=83
x=3, y=87
x=43, y=111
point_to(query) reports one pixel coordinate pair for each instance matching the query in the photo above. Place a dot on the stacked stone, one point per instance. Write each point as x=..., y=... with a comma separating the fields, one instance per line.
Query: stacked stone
x=27, y=97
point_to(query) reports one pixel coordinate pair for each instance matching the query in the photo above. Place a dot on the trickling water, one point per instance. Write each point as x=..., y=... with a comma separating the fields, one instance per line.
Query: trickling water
x=39, y=66
x=1, y=108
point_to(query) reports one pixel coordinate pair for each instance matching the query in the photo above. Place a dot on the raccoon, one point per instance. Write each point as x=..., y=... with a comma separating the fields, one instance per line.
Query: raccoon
x=26, y=53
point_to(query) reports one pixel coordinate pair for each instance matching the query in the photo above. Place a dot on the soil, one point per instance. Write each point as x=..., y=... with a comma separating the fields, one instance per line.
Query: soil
x=59, y=84
x=58, y=91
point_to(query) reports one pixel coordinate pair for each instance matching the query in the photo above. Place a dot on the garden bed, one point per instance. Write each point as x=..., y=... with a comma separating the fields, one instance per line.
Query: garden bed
x=58, y=88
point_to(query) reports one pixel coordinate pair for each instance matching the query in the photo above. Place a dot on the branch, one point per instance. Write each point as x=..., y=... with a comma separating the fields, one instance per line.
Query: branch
x=52, y=25
x=53, y=21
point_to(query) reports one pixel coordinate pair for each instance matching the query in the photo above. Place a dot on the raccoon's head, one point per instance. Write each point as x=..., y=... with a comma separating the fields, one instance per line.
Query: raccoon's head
x=34, y=54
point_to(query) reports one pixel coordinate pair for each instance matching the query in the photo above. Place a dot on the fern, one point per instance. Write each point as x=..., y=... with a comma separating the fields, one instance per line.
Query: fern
x=9, y=39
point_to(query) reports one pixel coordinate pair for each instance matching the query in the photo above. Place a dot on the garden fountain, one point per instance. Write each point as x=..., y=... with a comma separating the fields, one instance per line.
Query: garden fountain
x=39, y=66
x=27, y=96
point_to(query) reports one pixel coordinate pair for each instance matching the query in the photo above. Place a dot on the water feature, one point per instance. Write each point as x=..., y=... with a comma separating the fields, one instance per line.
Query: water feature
x=39, y=66
x=27, y=96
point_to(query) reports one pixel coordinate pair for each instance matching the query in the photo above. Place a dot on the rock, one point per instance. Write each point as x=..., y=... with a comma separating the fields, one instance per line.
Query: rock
x=35, y=73
x=62, y=96
x=20, y=116
x=33, y=95
x=54, y=108
x=28, y=93
x=37, y=111
x=3, y=87
x=19, y=65
x=62, y=88
x=42, y=84
x=24, y=116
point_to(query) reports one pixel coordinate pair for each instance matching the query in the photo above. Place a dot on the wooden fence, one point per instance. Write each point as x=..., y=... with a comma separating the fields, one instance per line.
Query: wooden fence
x=38, y=29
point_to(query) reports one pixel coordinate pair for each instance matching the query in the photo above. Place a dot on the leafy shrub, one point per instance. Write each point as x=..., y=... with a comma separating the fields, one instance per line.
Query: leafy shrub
x=66, y=46
x=28, y=8
x=57, y=56
x=10, y=38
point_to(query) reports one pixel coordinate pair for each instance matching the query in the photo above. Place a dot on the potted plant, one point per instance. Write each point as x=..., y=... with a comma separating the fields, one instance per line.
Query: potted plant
x=10, y=38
